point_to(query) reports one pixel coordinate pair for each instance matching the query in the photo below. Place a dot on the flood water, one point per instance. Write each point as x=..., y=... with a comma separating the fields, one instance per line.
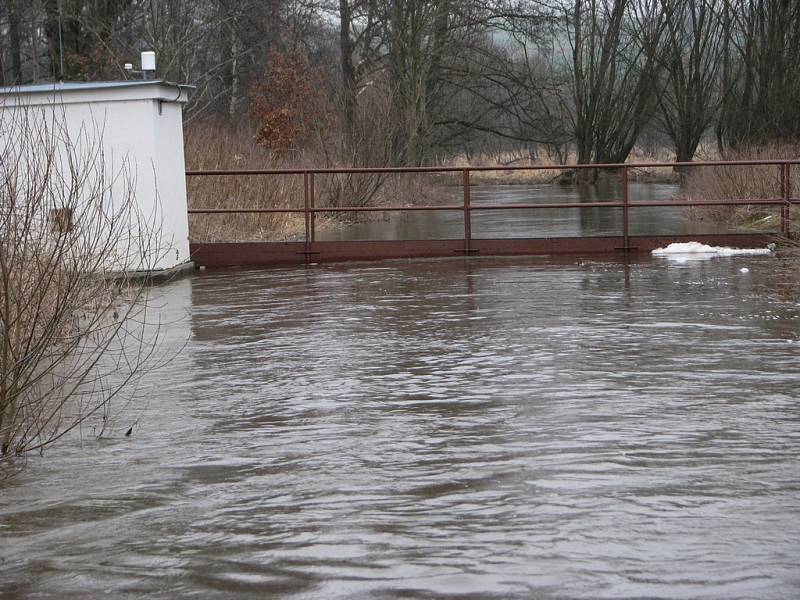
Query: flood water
x=533, y=223
x=452, y=428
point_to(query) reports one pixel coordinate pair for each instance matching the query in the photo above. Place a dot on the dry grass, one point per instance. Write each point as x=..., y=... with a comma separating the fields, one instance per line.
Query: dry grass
x=550, y=176
x=213, y=146
x=742, y=182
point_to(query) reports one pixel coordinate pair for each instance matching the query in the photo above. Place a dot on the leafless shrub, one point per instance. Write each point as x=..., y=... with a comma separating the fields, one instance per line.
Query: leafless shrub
x=211, y=146
x=215, y=145
x=73, y=324
x=741, y=182
x=544, y=176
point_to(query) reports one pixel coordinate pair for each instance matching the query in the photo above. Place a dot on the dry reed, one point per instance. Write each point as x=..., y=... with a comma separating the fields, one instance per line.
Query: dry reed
x=212, y=146
x=742, y=183
x=557, y=174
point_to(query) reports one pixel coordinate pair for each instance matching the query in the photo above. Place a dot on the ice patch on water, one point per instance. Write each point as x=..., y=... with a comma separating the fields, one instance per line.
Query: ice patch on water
x=697, y=250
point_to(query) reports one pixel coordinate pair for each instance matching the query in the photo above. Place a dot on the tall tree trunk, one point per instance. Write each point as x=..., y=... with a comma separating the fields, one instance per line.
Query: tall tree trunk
x=14, y=38
x=234, y=86
x=2, y=52
x=613, y=75
x=35, y=48
x=348, y=71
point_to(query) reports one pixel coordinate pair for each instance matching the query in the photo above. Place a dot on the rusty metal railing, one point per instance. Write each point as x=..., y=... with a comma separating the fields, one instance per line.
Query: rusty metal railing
x=309, y=210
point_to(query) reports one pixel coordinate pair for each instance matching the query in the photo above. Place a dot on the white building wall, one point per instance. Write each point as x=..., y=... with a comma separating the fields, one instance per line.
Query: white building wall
x=170, y=159
x=142, y=140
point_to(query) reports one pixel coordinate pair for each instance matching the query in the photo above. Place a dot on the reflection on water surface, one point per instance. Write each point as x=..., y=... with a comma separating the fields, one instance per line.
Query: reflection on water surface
x=532, y=223
x=508, y=428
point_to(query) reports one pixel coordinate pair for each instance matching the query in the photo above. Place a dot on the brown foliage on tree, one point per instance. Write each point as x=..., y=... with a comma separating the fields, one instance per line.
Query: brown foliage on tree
x=288, y=105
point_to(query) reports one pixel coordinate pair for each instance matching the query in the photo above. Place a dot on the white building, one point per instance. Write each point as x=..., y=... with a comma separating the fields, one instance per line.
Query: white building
x=139, y=126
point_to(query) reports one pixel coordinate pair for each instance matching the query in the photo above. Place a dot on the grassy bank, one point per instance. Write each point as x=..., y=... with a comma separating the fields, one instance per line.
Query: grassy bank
x=214, y=146
x=552, y=175
x=743, y=182
x=211, y=147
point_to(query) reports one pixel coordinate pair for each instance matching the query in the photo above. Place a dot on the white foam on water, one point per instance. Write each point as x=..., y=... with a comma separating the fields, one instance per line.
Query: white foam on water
x=697, y=250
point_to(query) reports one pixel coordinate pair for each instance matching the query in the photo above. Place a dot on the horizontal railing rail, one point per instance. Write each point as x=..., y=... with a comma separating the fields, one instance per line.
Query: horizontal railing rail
x=631, y=165
x=309, y=210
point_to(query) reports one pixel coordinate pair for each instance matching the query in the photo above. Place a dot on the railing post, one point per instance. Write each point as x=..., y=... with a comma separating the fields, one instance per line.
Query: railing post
x=467, y=213
x=313, y=216
x=787, y=195
x=306, y=213
x=626, y=245
x=782, y=178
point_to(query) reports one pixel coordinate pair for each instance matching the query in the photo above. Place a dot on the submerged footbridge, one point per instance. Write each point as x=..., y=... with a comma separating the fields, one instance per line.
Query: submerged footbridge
x=620, y=234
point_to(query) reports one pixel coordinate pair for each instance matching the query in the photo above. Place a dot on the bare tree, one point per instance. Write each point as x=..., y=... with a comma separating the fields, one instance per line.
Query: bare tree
x=582, y=73
x=691, y=60
x=346, y=51
x=14, y=26
x=763, y=73
x=519, y=83
x=614, y=71
x=422, y=39
x=563, y=74
x=73, y=321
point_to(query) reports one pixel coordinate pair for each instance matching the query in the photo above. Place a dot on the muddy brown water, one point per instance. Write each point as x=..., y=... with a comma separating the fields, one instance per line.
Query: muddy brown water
x=451, y=428
x=524, y=223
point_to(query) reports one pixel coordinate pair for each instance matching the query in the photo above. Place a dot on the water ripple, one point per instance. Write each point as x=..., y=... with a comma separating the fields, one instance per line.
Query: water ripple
x=444, y=428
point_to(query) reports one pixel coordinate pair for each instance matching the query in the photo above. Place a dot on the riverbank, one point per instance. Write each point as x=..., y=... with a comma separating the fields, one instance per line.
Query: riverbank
x=728, y=182
x=213, y=149
x=558, y=174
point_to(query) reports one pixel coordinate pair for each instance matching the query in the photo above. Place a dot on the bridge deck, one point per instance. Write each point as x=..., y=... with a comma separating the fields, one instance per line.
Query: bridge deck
x=310, y=250
x=286, y=253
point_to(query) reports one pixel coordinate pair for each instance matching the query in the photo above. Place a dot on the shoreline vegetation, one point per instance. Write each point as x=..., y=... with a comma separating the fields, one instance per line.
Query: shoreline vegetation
x=218, y=147
x=439, y=83
x=76, y=332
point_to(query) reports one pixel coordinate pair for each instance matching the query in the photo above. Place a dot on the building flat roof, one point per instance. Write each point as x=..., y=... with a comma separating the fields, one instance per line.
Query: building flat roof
x=84, y=86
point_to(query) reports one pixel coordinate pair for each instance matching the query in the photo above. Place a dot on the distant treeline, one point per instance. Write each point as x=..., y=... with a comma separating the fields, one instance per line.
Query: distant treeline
x=415, y=81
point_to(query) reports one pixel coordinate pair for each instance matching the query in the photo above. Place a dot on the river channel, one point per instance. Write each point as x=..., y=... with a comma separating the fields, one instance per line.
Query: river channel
x=449, y=428
x=526, y=223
